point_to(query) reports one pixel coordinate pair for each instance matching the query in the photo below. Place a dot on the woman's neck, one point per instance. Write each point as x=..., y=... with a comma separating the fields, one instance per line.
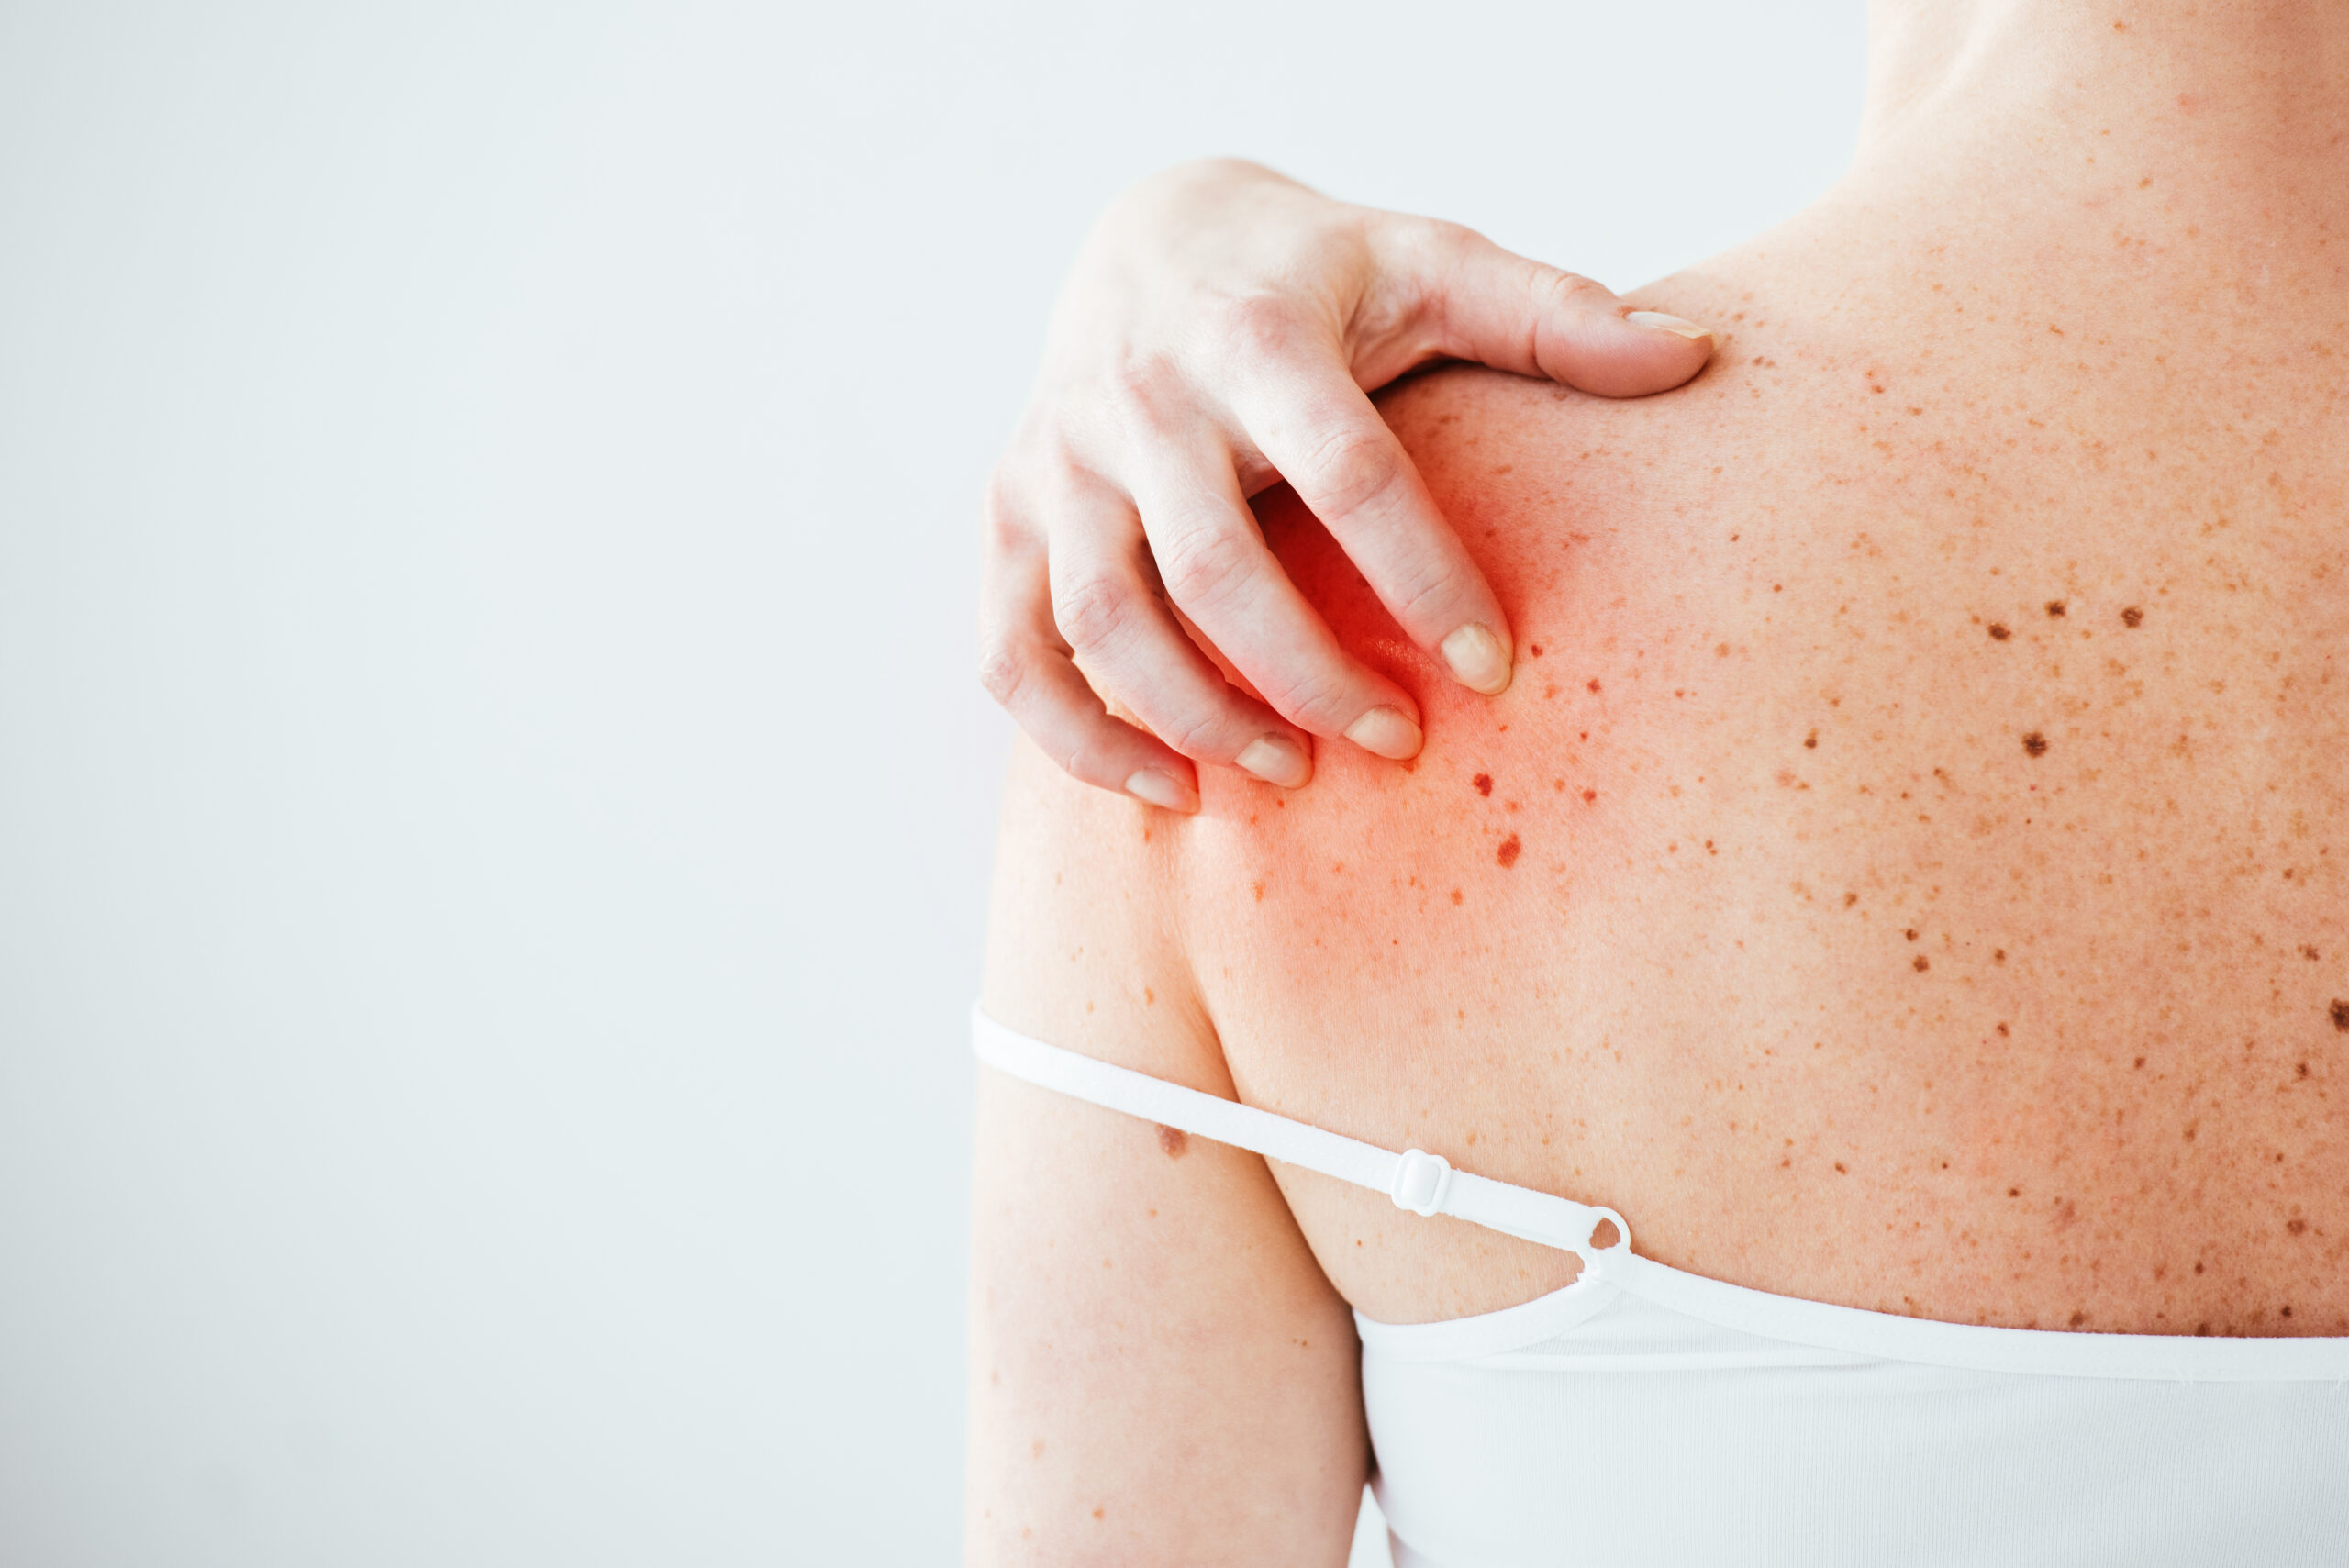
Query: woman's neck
x=2231, y=116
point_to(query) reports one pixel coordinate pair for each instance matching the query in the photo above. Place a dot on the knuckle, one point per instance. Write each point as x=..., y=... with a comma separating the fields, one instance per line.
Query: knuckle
x=1003, y=670
x=1256, y=326
x=1194, y=734
x=1316, y=699
x=1349, y=467
x=1091, y=610
x=1570, y=291
x=1204, y=566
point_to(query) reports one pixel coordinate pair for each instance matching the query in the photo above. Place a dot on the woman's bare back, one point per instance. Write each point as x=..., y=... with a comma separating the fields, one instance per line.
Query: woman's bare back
x=1907, y=870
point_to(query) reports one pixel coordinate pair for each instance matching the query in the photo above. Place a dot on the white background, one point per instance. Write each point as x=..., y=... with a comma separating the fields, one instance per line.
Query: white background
x=494, y=806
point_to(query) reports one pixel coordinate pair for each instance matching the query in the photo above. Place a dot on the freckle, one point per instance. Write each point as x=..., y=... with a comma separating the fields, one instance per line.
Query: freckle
x=1455, y=895
x=1810, y=742
x=1036, y=1449
x=1709, y=847
x=2014, y=1191
x=1594, y=684
x=2035, y=743
x=1592, y=794
x=2000, y=631
x=2133, y=618
x=1260, y=891
x=1174, y=1142
x=1839, y=1169
x=2054, y=609
x=1484, y=783
x=2303, y=1072
x=1997, y=956
x=2002, y=1029
x=2341, y=1017
x=2286, y=1312
x=2141, y=1062
x=2295, y=1227
x=1510, y=848
x=1875, y=389
x=2198, y=1269
x=1720, y=650
x=1549, y=692
x=1559, y=784
x=1537, y=650
x=1910, y=933
x=2079, y=1319
x=2309, y=952
x=1922, y=963
x=1096, y=1513
x=1149, y=997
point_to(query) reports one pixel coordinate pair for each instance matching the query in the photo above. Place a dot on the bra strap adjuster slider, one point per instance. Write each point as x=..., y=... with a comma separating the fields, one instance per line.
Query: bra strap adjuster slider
x=1422, y=1179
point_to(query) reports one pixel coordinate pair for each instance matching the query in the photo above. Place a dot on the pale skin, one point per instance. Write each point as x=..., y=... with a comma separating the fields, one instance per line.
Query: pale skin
x=1908, y=876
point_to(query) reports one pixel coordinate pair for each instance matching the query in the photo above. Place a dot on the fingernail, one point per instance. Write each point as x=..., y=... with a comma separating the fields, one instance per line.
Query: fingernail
x=1478, y=659
x=1163, y=790
x=1672, y=324
x=1277, y=760
x=1387, y=731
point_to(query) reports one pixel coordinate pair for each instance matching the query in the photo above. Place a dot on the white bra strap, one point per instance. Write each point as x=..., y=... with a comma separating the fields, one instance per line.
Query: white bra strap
x=1423, y=1183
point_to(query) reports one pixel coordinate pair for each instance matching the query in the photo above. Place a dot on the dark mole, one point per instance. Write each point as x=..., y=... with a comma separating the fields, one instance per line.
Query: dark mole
x=1810, y=742
x=2014, y=1191
x=1484, y=783
x=1537, y=650
x=1174, y=1142
x=2200, y=1329
x=2054, y=609
x=1922, y=963
x=2303, y=1072
x=2035, y=743
x=1850, y=899
x=1999, y=632
x=2141, y=1062
x=2002, y=1029
x=2295, y=1227
x=2341, y=1015
x=1594, y=684
x=2079, y=1319
x=1839, y=1169
x=2133, y=618
x=2308, y=952
x=1910, y=933
x=1510, y=848
x=1997, y=956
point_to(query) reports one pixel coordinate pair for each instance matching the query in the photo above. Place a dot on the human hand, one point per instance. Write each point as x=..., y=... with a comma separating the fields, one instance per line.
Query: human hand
x=1221, y=332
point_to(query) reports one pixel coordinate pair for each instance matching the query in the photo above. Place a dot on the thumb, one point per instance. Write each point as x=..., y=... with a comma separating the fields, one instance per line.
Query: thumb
x=1499, y=309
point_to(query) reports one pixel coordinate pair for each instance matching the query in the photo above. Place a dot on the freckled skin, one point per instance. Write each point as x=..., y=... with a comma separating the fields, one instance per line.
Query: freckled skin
x=2112, y=825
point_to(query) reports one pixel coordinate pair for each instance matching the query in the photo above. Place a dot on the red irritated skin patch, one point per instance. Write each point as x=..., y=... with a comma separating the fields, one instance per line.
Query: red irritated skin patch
x=1783, y=907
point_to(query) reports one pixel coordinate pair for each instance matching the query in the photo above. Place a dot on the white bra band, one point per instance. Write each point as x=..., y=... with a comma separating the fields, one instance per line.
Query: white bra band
x=1425, y=1183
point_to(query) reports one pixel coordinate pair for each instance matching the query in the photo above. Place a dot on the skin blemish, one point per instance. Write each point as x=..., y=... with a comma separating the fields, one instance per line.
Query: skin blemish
x=2002, y=1029
x=1258, y=888
x=2341, y=1017
x=1997, y=956
x=2301, y=1073
x=1484, y=783
x=1174, y=1142
x=1455, y=895
x=1910, y=933
x=2054, y=609
x=1839, y=1169
x=1510, y=848
x=2133, y=618
x=1536, y=650
x=2295, y=1227
x=2000, y=631
x=1590, y=796
x=1921, y=963
x=2308, y=952
x=1850, y=899
x=2141, y=1062
x=2014, y=1191
x=1810, y=742
x=2035, y=744
x=1594, y=684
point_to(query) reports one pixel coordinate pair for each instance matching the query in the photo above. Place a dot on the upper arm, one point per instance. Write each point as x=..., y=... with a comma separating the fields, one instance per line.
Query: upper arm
x=1160, y=1373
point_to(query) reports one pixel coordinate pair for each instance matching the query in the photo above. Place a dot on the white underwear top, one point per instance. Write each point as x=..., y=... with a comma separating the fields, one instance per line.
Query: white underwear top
x=1644, y=1415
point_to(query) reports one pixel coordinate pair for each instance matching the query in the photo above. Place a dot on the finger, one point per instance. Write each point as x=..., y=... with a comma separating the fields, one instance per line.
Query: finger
x=1498, y=308
x=1217, y=569
x=1024, y=667
x=1106, y=605
x=1318, y=429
